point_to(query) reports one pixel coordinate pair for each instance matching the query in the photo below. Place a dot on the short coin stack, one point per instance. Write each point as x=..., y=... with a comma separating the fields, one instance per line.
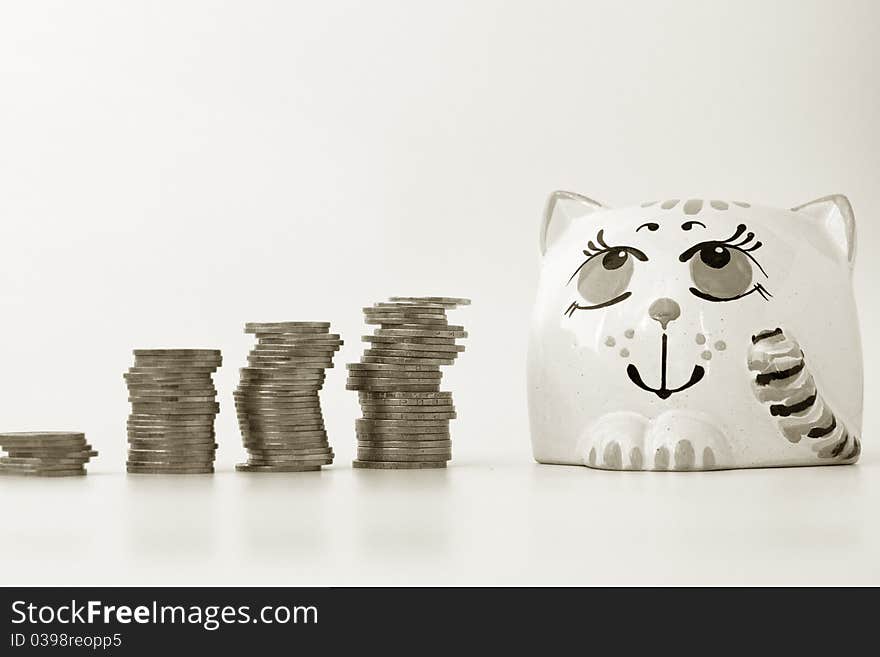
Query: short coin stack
x=173, y=406
x=45, y=454
x=405, y=423
x=277, y=401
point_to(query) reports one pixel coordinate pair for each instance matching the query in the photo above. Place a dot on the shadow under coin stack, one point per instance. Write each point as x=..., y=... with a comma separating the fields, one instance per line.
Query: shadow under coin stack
x=277, y=401
x=45, y=454
x=405, y=423
x=173, y=406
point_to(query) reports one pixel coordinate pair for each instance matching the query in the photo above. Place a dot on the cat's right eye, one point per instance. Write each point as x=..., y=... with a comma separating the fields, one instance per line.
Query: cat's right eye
x=603, y=278
x=723, y=270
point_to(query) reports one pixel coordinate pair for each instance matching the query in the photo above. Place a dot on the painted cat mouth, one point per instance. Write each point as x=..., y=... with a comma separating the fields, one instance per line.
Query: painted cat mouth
x=663, y=392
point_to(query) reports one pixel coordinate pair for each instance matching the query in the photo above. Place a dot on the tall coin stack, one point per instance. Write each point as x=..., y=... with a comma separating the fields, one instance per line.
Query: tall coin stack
x=45, y=453
x=173, y=405
x=277, y=401
x=405, y=423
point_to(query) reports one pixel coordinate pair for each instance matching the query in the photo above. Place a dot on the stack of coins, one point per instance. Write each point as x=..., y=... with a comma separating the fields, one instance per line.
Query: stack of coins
x=405, y=423
x=173, y=405
x=277, y=401
x=45, y=453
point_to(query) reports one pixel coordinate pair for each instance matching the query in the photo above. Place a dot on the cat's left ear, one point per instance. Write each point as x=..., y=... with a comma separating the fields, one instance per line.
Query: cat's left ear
x=837, y=218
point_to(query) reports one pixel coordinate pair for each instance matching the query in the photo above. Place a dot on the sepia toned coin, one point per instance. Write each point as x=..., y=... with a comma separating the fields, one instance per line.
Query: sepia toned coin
x=446, y=332
x=374, y=415
x=442, y=301
x=170, y=470
x=397, y=465
x=246, y=467
x=443, y=443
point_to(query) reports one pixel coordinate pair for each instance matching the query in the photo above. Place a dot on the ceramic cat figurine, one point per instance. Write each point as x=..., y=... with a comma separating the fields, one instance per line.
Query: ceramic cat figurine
x=695, y=335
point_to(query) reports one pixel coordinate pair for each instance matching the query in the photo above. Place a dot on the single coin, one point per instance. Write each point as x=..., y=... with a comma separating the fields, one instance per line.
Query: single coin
x=139, y=469
x=395, y=374
x=36, y=473
x=164, y=375
x=281, y=410
x=162, y=365
x=436, y=358
x=397, y=465
x=397, y=360
x=172, y=445
x=42, y=435
x=437, y=394
x=439, y=343
x=388, y=377
x=277, y=435
x=440, y=443
x=43, y=467
x=169, y=399
x=245, y=467
x=391, y=388
x=401, y=321
x=300, y=337
x=268, y=448
x=33, y=472
x=443, y=301
x=405, y=405
x=444, y=333
x=394, y=456
x=181, y=423
x=370, y=415
x=145, y=426
x=259, y=390
x=177, y=352
x=391, y=367
x=40, y=461
x=293, y=451
x=416, y=350
x=325, y=352
x=51, y=454
x=395, y=434
x=303, y=458
x=200, y=461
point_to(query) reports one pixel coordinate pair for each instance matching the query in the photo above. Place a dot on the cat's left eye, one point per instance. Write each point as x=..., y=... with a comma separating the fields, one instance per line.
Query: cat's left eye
x=725, y=270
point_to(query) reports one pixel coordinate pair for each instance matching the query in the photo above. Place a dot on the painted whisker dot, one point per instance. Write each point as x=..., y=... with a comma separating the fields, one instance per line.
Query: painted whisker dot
x=701, y=339
x=721, y=345
x=629, y=333
x=706, y=355
x=610, y=341
x=624, y=352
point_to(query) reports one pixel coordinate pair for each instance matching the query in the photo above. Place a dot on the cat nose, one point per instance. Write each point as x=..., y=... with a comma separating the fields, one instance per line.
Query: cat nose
x=664, y=310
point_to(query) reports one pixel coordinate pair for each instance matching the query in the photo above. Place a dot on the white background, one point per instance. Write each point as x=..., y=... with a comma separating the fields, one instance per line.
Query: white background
x=171, y=170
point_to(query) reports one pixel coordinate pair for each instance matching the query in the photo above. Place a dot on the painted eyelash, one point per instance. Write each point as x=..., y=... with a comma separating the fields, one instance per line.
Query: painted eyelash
x=600, y=238
x=576, y=306
x=757, y=287
x=732, y=243
x=592, y=251
x=740, y=229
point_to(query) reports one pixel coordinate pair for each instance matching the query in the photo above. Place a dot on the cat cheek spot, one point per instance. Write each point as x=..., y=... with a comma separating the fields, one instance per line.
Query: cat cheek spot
x=706, y=355
x=701, y=339
x=624, y=353
x=610, y=341
x=629, y=333
x=721, y=345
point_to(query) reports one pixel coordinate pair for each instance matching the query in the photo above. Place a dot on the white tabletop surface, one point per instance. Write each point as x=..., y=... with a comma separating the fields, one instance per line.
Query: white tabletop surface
x=477, y=522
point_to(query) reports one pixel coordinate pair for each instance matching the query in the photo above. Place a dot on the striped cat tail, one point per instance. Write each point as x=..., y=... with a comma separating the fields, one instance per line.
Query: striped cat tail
x=784, y=384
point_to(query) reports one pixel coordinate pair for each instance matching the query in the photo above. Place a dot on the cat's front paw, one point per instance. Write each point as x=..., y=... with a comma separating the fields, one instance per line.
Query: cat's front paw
x=675, y=440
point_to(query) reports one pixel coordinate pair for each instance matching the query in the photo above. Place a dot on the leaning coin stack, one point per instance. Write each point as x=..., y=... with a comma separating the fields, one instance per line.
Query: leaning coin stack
x=45, y=453
x=405, y=423
x=277, y=401
x=173, y=405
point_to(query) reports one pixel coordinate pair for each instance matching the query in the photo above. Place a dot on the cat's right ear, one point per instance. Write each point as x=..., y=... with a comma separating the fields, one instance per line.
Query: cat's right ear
x=561, y=210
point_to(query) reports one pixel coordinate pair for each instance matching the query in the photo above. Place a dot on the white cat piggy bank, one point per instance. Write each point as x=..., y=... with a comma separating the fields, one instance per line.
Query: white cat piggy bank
x=692, y=334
